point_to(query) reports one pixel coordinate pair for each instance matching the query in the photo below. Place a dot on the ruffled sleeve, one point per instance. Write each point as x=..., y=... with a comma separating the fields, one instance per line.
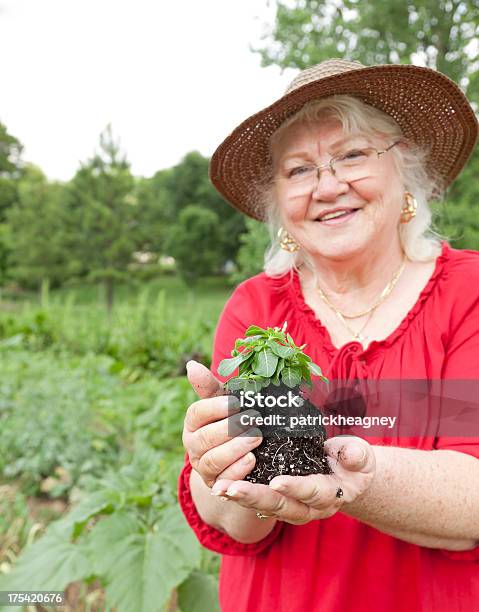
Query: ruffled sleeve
x=243, y=309
x=212, y=538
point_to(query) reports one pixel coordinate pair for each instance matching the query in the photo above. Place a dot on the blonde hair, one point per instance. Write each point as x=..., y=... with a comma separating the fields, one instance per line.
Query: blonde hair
x=419, y=241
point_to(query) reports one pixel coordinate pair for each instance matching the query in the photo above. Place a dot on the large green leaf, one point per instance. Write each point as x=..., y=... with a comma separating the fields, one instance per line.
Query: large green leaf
x=199, y=593
x=291, y=376
x=106, y=540
x=265, y=363
x=228, y=366
x=51, y=563
x=279, y=368
x=96, y=503
x=148, y=566
x=280, y=349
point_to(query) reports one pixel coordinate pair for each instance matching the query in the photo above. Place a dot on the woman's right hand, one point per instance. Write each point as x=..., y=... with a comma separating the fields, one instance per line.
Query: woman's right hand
x=211, y=430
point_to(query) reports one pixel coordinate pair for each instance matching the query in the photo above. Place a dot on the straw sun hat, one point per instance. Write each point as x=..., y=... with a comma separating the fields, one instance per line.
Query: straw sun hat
x=430, y=109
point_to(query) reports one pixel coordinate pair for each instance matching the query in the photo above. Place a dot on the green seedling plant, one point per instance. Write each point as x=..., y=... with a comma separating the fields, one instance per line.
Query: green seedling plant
x=268, y=356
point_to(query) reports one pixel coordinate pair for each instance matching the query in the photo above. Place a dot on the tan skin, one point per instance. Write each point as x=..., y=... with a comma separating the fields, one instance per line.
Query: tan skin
x=355, y=261
x=382, y=486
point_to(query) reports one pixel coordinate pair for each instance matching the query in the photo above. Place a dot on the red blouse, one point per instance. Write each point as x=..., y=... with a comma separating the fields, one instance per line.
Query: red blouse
x=340, y=564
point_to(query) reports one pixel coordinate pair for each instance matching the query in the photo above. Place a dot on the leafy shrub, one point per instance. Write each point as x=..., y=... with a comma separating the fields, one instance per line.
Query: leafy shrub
x=15, y=523
x=83, y=416
x=140, y=337
x=254, y=243
x=130, y=534
x=64, y=418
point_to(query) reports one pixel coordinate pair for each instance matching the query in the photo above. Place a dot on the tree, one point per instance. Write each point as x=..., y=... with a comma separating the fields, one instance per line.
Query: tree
x=254, y=243
x=188, y=183
x=163, y=197
x=10, y=169
x=192, y=243
x=458, y=215
x=103, y=229
x=10, y=173
x=154, y=219
x=35, y=245
x=439, y=34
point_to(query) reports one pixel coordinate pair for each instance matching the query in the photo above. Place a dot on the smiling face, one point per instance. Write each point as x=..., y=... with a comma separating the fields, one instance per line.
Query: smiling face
x=374, y=199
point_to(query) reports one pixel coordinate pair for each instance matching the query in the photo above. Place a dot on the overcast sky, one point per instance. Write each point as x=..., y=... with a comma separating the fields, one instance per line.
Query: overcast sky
x=170, y=76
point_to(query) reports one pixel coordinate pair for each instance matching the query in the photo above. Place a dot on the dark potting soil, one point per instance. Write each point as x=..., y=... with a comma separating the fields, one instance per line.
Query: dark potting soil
x=294, y=452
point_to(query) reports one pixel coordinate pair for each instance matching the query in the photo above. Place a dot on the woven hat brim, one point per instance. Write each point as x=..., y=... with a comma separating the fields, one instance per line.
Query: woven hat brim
x=430, y=109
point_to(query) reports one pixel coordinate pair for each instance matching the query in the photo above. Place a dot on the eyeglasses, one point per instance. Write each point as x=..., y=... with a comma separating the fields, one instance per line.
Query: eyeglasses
x=347, y=167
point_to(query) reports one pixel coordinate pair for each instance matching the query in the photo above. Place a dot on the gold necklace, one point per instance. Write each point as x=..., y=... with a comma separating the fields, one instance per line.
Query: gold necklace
x=384, y=294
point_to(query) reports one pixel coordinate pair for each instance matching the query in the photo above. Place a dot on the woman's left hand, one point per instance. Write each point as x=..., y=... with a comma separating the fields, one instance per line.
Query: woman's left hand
x=300, y=499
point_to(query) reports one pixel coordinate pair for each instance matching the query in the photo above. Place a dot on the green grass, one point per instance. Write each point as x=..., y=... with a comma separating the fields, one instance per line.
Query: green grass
x=209, y=294
x=157, y=328
x=84, y=398
x=64, y=417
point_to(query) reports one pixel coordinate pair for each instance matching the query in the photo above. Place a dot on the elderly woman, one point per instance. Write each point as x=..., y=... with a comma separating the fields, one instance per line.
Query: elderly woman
x=342, y=168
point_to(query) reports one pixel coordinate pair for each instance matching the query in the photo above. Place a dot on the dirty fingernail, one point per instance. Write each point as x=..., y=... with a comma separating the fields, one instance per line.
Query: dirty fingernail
x=188, y=364
x=232, y=493
x=232, y=402
x=217, y=493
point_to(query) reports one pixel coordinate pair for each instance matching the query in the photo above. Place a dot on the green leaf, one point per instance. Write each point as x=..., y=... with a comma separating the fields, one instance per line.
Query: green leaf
x=291, y=376
x=265, y=363
x=147, y=567
x=106, y=539
x=241, y=342
x=257, y=377
x=275, y=380
x=305, y=373
x=237, y=383
x=246, y=365
x=280, y=350
x=253, y=385
x=101, y=502
x=228, y=366
x=315, y=369
x=255, y=330
x=199, y=593
x=49, y=564
x=12, y=341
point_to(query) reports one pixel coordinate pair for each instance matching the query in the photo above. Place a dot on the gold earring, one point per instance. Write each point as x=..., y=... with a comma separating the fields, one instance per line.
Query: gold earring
x=286, y=241
x=409, y=210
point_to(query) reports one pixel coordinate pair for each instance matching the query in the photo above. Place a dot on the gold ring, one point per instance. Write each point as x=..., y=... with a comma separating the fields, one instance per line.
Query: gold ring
x=260, y=515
